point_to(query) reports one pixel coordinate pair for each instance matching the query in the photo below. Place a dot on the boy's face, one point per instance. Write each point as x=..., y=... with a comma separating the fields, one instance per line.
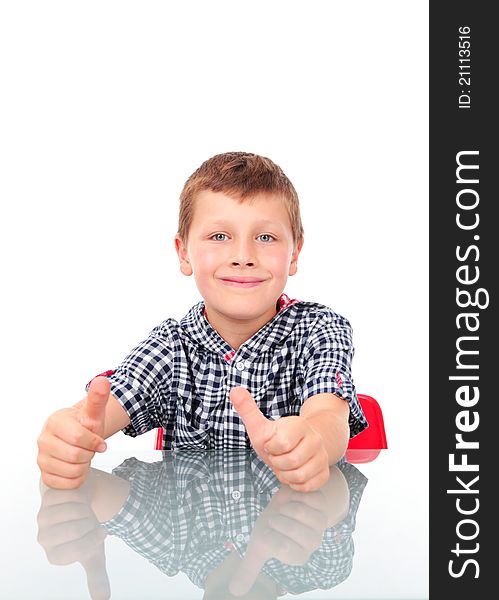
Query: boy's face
x=241, y=254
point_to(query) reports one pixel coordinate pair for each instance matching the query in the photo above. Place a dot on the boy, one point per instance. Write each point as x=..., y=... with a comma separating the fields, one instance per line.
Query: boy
x=247, y=365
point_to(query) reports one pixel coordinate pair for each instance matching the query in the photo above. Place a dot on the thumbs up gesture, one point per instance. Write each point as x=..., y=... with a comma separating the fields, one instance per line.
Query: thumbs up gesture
x=71, y=436
x=290, y=446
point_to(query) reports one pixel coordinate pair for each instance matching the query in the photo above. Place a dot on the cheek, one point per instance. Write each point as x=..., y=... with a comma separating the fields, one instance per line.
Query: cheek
x=279, y=263
x=206, y=261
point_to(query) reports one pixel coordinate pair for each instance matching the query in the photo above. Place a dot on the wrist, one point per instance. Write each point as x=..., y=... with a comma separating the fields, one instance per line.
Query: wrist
x=333, y=433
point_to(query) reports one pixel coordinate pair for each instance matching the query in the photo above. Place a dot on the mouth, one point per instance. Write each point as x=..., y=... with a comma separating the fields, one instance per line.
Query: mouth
x=241, y=282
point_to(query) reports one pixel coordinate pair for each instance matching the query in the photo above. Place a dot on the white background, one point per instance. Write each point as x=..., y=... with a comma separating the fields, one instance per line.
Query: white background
x=107, y=107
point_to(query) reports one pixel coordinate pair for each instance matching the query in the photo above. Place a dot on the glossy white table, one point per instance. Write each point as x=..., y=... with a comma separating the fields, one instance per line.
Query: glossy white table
x=186, y=526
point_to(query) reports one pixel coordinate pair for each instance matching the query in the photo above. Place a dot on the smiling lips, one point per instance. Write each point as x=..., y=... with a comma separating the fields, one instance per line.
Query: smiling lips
x=242, y=282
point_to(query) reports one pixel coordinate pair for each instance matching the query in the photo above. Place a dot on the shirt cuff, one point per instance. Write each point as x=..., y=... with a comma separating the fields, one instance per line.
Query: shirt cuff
x=341, y=386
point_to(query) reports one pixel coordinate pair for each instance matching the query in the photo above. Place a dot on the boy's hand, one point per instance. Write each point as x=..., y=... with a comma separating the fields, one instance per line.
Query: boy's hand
x=69, y=532
x=291, y=447
x=71, y=436
x=290, y=528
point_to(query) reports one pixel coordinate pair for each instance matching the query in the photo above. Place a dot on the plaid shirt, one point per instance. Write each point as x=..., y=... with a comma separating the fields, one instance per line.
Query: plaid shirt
x=180, y=377
x=188, y=512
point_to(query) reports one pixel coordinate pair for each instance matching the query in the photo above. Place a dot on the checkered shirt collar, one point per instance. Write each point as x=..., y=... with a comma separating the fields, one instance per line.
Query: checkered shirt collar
x=198, y=328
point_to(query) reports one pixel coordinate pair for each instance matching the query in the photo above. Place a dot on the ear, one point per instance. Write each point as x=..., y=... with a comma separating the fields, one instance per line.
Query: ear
x=293, y=267
x=185, y=265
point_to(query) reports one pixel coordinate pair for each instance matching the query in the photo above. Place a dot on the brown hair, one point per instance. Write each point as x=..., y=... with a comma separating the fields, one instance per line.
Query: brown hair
x=240, y=175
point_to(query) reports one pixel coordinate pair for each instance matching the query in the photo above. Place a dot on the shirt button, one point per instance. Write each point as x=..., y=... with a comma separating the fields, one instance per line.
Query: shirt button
x=247, y=364
x=240, y=537
x=240, y=365
x=236, y=494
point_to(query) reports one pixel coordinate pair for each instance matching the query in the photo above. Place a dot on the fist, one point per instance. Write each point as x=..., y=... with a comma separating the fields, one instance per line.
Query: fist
x=290, y=446
x=290, y=529
x=69, y=532
x=70, y=438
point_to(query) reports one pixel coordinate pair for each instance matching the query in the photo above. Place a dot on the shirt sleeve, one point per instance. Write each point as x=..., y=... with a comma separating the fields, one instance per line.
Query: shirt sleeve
x=142, y=382
x=327, y=365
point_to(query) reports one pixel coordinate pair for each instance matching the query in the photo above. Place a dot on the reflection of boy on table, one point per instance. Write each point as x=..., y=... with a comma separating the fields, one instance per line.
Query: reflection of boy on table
x=245, y=366
x=222, y=519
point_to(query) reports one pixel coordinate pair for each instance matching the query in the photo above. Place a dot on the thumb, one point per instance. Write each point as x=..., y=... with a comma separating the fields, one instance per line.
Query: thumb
x=259, y=428
x=97, y=578
x=247, y=573
x=94, y=409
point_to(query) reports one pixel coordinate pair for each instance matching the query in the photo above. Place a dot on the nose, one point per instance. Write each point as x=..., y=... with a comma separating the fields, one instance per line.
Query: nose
x=240, y=262
x=243, y=255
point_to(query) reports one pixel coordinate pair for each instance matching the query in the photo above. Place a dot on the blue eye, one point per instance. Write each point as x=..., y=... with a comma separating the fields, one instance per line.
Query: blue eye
x=219, y=237
x=266, y=237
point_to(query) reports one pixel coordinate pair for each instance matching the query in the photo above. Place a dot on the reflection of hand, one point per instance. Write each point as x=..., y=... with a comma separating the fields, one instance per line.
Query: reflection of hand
x=69, y=532
x=293, y=449
x=290, y=528
x=71, y=436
